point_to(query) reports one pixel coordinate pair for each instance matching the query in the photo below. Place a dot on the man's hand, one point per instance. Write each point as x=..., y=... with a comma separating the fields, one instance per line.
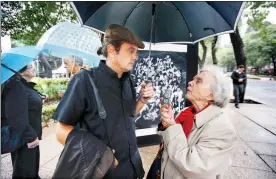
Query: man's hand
x=147, y=92
x=240, y=80
x=167, y=117
x=33, y=144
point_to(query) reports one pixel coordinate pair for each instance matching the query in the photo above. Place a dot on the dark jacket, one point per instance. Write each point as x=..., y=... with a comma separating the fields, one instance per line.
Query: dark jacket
x=83, y=157
x=236, y=76
x=118, y=129
x=21, y=116
x=34, y=108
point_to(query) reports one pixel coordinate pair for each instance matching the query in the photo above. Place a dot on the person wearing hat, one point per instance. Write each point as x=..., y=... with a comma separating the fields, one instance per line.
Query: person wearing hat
x=239, y=77
x=116, y=90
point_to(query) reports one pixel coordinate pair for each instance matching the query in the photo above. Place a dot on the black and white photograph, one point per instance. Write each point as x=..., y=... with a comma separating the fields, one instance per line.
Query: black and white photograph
x=165, y=70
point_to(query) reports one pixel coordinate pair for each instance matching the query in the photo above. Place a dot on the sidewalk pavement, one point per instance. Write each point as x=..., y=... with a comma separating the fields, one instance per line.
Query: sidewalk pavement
x=250, y=76
x=254, y=156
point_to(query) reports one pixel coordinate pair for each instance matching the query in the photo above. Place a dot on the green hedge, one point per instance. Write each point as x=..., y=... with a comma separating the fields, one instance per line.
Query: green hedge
x=48, y=112
x=51, y=87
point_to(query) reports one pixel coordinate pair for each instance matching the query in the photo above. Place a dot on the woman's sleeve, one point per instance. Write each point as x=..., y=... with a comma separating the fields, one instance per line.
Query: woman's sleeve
x=16, y=111
x=208, y=157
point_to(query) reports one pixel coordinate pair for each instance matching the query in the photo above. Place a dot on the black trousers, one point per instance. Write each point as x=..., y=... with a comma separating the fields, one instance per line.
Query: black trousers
x=238, y=92
x=25, y=162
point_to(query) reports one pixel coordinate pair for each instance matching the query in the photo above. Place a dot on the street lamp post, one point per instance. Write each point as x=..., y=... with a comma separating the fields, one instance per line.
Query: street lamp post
x=274, y=67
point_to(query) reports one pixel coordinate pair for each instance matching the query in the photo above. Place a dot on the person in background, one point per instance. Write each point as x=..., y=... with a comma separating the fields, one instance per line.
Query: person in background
x=199, y=142
x=73, y=64
x=22, y=109
x=239, y=78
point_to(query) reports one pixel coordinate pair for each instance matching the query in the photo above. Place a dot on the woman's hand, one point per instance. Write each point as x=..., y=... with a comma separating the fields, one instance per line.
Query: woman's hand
x=33, y=144
x=167, y=117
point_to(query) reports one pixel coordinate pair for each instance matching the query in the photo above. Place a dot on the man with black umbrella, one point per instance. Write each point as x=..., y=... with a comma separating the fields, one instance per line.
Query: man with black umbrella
x=118, y=97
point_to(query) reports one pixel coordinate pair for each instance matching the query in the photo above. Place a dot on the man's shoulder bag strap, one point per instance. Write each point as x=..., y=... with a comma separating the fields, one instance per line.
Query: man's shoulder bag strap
x=101, y=109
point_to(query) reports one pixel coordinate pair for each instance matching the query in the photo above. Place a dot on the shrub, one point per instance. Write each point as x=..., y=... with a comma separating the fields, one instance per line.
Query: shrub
x=51, y=87
x=48, y=112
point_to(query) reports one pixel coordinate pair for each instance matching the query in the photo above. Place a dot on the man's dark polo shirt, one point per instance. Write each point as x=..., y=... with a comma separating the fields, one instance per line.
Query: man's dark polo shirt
x=119, y=100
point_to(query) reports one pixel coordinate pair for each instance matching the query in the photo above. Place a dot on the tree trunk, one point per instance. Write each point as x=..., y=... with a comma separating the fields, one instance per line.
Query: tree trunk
x=238, y=48
x=202, y=61
x=214, y=50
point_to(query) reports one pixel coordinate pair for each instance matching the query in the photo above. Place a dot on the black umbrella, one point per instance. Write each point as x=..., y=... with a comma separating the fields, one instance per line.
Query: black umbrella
x=167, y=21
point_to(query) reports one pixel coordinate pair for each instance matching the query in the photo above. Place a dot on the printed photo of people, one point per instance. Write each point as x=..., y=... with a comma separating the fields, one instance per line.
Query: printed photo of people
x=166, y=70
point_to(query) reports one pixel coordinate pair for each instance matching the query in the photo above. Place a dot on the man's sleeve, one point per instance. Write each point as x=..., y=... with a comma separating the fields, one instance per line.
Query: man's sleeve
x=72, y=105
x=233, y=76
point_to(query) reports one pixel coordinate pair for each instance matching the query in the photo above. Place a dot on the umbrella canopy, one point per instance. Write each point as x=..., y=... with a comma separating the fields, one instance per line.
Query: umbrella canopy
x=67, y=38
x=168, y=21
x=15, y=59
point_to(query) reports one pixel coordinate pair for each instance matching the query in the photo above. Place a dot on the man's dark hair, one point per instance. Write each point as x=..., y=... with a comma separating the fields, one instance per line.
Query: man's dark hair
x=241, y=66
x=103, y=50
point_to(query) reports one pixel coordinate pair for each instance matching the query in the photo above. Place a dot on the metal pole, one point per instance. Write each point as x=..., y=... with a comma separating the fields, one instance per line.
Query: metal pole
x=152, y=27
x=151, y=33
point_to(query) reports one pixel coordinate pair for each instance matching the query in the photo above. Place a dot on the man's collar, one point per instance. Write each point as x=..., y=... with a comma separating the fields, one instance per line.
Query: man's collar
x=206, y=115
x=109, y=71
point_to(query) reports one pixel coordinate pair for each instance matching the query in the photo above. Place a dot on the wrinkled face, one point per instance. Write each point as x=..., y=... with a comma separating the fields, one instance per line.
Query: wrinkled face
x=125, y=58
x=200, y=88
x=29, y=72
x=69, y=65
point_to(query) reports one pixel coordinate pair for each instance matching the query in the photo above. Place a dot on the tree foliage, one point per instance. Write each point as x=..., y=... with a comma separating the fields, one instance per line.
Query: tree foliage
x=226, y=58
x=260, y=51
x=258, y=13
x=26, y=21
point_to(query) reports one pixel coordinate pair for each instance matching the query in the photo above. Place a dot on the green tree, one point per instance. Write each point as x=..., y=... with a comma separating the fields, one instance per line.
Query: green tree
x=260, y=51
x=226, y=58
x=27, y=21
x=256, y=19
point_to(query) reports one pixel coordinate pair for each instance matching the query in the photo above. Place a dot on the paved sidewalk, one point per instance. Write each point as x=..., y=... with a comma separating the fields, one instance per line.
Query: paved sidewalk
x=254, y=158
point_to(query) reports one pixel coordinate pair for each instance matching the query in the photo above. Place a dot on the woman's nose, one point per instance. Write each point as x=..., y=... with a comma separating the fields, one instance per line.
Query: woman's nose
x=190, y=83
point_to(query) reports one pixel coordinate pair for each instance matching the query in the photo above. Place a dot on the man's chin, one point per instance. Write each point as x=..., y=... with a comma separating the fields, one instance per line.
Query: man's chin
x=129, y=68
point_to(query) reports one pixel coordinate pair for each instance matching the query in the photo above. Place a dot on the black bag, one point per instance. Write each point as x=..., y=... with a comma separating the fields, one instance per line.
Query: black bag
x=155, y=168
x=74, y=161
x=10, y=139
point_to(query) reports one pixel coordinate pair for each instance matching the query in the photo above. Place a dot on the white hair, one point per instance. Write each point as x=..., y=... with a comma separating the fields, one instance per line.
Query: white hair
x=220, y=85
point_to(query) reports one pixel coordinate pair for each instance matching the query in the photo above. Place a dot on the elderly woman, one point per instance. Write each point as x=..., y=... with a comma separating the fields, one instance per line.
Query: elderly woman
x=22, y=111
x=204, y=149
